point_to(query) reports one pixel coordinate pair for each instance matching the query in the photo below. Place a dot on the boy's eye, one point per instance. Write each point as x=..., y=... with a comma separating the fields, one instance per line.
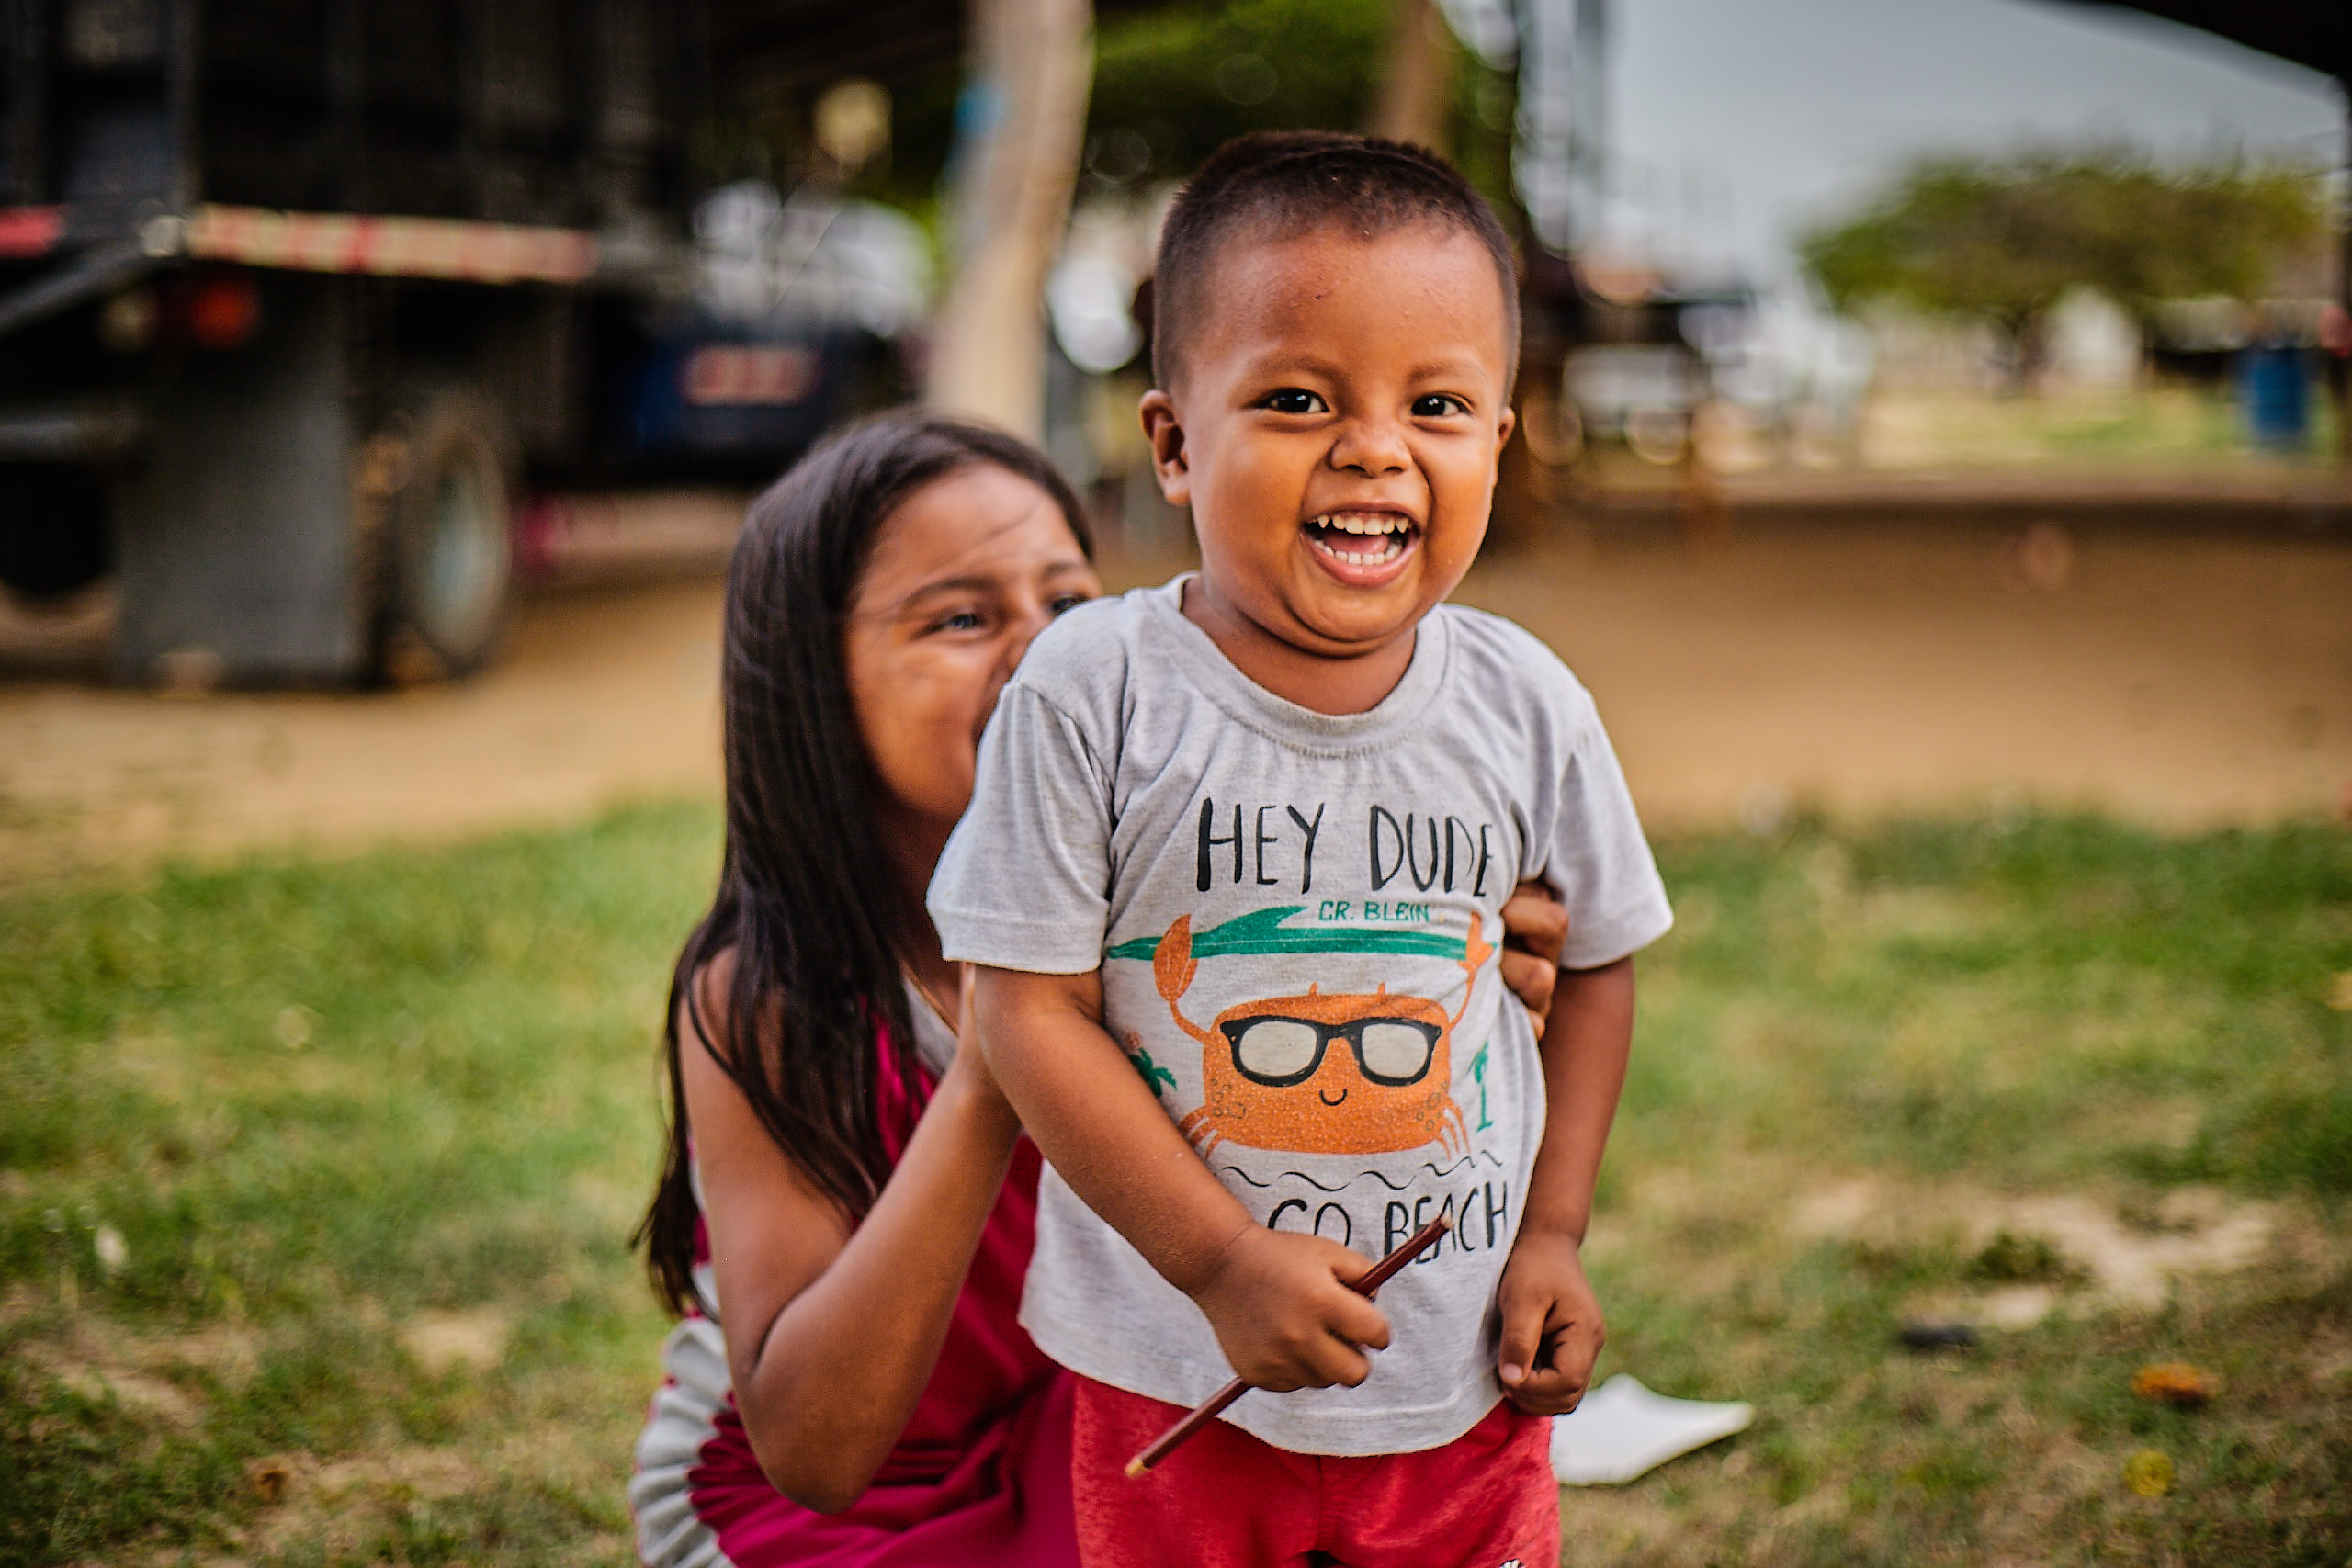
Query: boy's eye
x=1437, y=405
x=958, y=621
x=1067, y=602
x=1294, y=400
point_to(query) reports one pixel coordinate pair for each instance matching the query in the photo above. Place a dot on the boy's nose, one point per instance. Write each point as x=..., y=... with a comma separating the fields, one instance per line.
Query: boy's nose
x=1372, y=448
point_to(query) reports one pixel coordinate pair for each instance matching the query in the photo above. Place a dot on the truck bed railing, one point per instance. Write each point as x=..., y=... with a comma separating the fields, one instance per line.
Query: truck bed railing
x=374, y=245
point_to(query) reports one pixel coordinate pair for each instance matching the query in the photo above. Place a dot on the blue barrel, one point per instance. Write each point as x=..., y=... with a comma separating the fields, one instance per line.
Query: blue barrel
x=2274, y=390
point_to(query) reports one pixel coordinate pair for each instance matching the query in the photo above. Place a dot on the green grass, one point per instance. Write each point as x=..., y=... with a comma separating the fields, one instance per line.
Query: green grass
x=319, y=1103
x=2023, y=998
x=2154, y=428
x=316, y=1101
x=1951, y=1016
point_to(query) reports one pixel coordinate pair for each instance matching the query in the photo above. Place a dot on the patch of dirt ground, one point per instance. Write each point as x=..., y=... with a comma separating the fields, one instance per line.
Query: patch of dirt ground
x=1870, y=669
x=604, y=696
x=1864, y=669
x=2109, y=1259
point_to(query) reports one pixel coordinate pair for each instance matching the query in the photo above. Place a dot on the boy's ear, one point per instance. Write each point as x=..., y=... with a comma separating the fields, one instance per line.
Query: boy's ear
x=1157, y=411
x=1508, y=423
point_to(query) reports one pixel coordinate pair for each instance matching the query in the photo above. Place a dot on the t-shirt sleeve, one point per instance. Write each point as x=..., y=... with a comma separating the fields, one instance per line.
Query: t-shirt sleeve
x=1024, y=881
x=1600, y=862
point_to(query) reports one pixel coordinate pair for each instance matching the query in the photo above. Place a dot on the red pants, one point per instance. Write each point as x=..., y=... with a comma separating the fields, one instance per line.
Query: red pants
x=1228, y=1500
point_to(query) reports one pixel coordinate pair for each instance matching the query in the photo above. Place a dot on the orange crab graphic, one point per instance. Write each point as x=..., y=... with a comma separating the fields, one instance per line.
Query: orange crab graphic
x=1352, y=1074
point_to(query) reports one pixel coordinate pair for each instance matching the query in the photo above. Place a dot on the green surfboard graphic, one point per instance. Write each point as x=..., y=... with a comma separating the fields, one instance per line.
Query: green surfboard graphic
x=1262, y=931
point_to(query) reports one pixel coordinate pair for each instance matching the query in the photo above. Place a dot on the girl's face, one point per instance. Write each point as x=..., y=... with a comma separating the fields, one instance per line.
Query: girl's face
x=962, y=574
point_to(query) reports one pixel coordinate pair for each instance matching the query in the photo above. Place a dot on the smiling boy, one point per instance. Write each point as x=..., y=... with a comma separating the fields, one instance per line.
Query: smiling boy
x=1232, y=873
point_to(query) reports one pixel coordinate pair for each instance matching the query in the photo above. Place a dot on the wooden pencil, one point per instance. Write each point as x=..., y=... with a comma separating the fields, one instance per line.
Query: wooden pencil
x=1208, y=1410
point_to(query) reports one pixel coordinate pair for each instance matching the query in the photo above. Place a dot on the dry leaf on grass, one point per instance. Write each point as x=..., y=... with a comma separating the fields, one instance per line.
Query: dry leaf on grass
x=270, y=1477
x=2176, y=1382
x=2149, y=1473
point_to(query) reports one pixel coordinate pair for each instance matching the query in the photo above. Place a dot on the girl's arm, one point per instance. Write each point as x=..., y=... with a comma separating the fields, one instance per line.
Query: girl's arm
x=831, y=1333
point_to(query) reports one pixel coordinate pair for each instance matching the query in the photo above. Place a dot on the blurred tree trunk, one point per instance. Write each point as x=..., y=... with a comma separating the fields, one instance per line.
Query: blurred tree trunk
x=1416, y=87
x=1025, y=118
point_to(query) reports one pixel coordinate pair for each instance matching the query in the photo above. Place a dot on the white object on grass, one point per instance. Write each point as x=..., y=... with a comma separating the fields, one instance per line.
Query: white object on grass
x=1623, y=1430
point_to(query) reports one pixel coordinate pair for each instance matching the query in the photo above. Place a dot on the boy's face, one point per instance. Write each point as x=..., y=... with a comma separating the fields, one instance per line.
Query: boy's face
x=1334, y=424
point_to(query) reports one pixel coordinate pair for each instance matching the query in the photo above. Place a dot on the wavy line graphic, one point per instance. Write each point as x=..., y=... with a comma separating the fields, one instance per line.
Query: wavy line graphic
x=1436, y=1173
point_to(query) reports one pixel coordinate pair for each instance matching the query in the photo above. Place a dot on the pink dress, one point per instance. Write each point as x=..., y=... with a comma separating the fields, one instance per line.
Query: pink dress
x=980, y=1477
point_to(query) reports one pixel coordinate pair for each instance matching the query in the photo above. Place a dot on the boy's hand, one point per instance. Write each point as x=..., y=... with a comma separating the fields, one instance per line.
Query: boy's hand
x=1551, y=1325
x=1285, y=1316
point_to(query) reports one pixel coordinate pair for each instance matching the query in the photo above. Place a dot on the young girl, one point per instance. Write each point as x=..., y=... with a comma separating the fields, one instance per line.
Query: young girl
x=846, y=1214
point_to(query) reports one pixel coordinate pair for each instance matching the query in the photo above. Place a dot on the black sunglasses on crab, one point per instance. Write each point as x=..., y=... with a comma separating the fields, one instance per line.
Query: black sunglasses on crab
x=1278, y=1052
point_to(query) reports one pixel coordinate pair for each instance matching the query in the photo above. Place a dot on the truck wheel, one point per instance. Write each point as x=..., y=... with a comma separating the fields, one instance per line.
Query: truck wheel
x=438, y=474
x=55, y=538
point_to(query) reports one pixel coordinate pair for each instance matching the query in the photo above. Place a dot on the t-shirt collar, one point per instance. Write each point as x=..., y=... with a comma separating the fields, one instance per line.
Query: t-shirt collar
x=1249, y=703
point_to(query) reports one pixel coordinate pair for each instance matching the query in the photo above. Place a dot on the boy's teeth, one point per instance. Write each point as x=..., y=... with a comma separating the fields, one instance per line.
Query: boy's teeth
x=1361, y=541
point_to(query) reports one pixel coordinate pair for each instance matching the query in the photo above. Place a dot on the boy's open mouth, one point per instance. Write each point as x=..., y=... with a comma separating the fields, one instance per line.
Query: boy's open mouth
x=1362, y=541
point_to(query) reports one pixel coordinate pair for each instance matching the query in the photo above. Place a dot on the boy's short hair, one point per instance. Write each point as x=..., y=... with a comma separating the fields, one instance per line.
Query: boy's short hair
x=1293, y=180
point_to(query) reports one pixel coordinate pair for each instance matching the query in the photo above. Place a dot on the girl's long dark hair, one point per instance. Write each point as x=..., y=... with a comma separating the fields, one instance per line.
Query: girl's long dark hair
x=817, y=937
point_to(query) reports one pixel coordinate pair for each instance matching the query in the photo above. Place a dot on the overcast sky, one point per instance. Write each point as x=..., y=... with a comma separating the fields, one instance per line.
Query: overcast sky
x=1738, y=122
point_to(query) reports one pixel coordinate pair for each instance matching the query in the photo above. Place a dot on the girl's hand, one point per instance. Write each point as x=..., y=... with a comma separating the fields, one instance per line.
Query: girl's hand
x=1536, y=926
x=1285, y=1316
x=969, y=1085
x=1552, y=1324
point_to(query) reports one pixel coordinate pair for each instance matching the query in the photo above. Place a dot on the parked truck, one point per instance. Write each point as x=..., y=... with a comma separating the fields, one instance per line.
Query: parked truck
x=297, y=295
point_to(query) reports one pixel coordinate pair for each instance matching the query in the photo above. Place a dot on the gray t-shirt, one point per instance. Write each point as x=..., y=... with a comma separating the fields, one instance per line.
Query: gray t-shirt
x=1295, y=915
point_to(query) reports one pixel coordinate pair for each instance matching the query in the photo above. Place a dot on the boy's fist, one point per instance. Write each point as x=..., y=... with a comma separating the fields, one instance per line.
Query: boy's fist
x=1285, y=1316
x=1551, y=1325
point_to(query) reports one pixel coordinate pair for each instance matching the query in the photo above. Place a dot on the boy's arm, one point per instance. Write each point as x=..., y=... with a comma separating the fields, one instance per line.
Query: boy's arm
x=1552, y=1327
x=1278, y=1302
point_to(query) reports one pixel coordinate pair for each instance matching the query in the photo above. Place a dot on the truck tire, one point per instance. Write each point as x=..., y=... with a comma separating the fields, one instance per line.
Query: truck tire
x=438, y=474
x=55, y=543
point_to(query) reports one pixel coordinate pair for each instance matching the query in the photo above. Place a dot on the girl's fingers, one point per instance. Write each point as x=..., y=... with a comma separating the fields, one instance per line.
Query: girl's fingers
x=1530, y=980
x=1534, y=922
x=1536, y=926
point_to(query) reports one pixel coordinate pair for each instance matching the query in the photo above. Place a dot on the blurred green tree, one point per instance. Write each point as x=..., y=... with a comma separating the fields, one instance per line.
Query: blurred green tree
x=1173, y=82
x=1184, y=78
x=1175, y=78
x=2004, y=238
